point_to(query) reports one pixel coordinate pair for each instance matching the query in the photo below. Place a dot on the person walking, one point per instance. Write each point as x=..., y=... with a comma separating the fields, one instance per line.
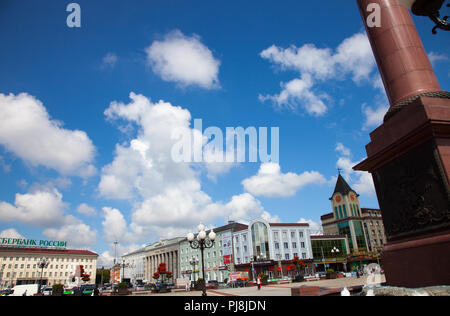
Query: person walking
x=258, y=282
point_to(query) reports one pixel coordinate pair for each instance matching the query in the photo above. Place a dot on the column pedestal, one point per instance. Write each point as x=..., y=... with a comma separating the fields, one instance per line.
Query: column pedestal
x=409, y=158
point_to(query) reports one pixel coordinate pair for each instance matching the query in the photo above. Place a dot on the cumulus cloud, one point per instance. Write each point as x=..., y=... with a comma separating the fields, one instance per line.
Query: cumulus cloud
x=11, y=233
x=184, y=60
x=77, y=233
x=374, y=116
x=44, y=207
x=271, y=182
x=41, y=208
x=167, y=196
x=352, y=58
x=437, y=57
x=315, y=228
x=27, y=131
x=86, y=210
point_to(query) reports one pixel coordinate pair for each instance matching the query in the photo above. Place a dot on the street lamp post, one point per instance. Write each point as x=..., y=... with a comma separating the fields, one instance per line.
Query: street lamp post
x=335, y=251
x=193, y=263
x=202, y=242
x=124, y=265
x=42, y=264
x=429, y=8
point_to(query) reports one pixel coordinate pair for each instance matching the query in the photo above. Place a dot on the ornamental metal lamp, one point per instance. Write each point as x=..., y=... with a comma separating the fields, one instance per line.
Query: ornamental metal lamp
x=202, y=242
x=429, y=8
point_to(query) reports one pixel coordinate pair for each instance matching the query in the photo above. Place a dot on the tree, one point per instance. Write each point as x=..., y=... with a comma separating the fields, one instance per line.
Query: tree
x=162, y=273
x=299, y=264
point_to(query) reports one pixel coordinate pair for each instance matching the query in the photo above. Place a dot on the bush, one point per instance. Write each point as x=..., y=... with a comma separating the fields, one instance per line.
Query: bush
x=57, y=290
x=123, y=285
x=330, y=271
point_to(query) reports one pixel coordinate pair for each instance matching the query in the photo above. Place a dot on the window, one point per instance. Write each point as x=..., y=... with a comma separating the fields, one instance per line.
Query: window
x=277, y=245
x=292, y=234
x=303, y=255
x=302, y=245
x=286, y=256
x=275, y=236
x=301, y=234
x=286, y=245
x=294, y=245
x=295, y=254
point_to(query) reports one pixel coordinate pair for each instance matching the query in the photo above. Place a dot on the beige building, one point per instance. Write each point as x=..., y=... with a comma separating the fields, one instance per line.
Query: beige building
x=20, y=265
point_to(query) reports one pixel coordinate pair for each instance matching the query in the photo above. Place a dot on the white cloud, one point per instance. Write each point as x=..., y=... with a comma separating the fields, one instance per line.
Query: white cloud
x=316, y=228
x=27, y=130
x=374, y=116
x=437, y=57
x=74, y=231
x=109, y=61
x=41, y=208
x=353, y=57
x=297, y=92
x=167, y=197
x=184, y=60
x=270, y=182
x=11, y=233
x=86, y=210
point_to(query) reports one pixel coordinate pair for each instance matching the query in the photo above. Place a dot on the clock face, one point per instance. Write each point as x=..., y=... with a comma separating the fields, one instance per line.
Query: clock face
x=338, y=199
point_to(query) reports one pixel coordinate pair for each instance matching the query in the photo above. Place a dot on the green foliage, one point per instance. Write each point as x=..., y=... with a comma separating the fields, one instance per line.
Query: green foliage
x=330, y=271
x=123, y=285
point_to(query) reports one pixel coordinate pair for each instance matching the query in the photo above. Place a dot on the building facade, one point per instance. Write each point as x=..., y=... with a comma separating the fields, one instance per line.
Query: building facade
x=163, y=251
x=363, y=227
x=134, y=266
x=330, y=252
x=269, y=248
x=20, y=266
x=218, y=259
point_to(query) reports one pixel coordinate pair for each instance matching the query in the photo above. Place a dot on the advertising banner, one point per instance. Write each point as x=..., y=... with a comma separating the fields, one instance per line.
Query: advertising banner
x=227, y=248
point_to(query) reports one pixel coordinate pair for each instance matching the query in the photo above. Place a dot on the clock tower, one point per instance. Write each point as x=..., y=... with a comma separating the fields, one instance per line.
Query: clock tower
x=344, y=201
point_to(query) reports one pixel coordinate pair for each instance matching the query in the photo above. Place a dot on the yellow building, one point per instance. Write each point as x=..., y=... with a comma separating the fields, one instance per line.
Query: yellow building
x=20, y=265
x=363, y=227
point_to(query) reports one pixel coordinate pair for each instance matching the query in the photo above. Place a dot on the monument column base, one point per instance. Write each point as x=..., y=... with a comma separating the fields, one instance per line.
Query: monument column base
x=418, y=262
x=409, y=158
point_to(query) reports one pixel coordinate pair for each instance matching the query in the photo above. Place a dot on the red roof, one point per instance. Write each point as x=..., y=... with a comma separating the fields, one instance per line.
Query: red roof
x=48, y=251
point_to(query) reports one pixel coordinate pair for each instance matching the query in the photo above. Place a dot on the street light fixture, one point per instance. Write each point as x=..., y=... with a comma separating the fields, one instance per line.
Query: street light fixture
x=202, y=242
x=42, y=264
x=193, y=263
x=429, y=8
x=335, y=251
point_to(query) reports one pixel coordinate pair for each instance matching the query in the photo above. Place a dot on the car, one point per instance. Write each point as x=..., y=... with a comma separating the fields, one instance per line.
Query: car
x=47, y=290
x=6, y=292
x=140, y=288
x=87, y=289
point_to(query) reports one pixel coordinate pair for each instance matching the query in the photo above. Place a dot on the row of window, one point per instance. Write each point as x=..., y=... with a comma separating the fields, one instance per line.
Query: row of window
x=287, y=256
x=341, y=211
x=36, y=274
x=51, y=259
x=28, y=266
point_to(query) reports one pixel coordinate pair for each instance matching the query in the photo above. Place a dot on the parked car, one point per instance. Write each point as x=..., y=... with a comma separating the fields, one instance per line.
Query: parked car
x=6, y=292
x=140, y=288
x=47, y=290
x=87, y=289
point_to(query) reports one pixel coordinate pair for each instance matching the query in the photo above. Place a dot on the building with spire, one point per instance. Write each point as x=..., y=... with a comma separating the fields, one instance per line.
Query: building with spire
x=363, y=227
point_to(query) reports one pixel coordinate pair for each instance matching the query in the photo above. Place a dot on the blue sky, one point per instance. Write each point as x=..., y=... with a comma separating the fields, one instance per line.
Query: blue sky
x=85, y=142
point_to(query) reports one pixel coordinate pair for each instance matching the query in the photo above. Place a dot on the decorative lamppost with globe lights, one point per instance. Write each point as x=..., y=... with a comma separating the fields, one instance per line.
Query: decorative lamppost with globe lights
x=335, y=251
x=429, y=8
x=42, y=264
x=202, y=242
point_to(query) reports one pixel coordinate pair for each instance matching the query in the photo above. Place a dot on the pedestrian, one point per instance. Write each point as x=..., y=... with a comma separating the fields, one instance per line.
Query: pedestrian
x=24, y=293
x=258, y=282
x=96, y=291
x=188, y=288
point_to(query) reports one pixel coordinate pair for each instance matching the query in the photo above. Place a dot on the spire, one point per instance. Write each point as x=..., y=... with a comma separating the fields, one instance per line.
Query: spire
x=342, y=186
